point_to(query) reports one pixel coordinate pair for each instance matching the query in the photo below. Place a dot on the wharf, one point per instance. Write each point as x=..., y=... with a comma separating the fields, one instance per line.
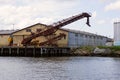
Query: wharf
x=34, y=51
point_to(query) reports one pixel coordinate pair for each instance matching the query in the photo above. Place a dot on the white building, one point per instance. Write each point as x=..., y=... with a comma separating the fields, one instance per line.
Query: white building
x=117, y=33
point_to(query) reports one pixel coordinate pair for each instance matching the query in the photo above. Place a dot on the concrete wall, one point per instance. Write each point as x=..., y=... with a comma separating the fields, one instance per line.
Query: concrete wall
x=4, y=40
x=78, y=39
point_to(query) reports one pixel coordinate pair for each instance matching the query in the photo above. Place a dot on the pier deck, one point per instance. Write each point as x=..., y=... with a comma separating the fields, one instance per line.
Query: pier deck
x=34, y=51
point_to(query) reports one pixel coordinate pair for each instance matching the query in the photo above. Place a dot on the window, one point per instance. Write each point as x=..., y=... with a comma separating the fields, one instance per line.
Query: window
x=28, y=30
x=38, y=30
x=97, y=37
x=94, y=37
x=101, y=38
x=1, y=36
x=81, y=35
x=90, y=36
x=76, y=35
x=86, y=36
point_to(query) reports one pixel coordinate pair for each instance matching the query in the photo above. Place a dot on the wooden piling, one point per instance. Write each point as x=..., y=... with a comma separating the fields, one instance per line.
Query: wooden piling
x=34, y=51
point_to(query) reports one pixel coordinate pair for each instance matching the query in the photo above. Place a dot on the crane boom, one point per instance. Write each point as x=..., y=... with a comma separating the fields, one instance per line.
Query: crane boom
x=55, y=26
x=50, y=41
x=71, y=19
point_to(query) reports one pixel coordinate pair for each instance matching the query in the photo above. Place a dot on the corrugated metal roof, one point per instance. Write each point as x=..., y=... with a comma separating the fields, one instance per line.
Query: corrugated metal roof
x=6, y=32
x=82, y=32
x=116, y=22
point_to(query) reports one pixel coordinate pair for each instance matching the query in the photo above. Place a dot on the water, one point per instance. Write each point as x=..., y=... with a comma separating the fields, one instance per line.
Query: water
x=59, y=68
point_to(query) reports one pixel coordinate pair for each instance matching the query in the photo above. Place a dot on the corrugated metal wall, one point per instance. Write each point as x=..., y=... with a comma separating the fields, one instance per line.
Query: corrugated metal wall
x=78, y=39
x=117, y=33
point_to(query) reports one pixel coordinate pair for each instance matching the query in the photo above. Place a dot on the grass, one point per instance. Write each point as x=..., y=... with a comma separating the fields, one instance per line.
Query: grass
x=113, y=48
x=87, y=48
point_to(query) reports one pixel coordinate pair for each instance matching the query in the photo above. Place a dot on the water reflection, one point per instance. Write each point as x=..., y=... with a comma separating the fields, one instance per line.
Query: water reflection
x=59, y=68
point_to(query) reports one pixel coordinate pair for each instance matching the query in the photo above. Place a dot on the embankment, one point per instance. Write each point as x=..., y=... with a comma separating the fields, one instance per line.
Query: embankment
x=102, y=51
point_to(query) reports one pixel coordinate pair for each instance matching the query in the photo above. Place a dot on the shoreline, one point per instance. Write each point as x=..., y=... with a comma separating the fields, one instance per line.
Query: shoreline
x=102, y=51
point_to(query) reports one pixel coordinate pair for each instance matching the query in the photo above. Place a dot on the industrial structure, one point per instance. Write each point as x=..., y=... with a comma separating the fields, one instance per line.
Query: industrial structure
x=50, y=32
x=117, y=33
x=52, y=35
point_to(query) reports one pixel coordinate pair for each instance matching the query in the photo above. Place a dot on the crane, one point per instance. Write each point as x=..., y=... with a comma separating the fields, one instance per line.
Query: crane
x=55, y=26
x=50, y=41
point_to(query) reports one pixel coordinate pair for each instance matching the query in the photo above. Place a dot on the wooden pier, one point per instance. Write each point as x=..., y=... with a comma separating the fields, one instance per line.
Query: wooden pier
x=34, y=51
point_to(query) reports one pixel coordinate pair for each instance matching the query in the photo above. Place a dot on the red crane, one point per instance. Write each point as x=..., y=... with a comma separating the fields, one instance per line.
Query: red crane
x=54, y=39
x=55, y=26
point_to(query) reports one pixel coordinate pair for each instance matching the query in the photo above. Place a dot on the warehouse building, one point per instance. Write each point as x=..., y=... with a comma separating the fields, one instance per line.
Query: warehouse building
x=117, y=33
x=80, y=38
x=4, y=36
x=73, y=38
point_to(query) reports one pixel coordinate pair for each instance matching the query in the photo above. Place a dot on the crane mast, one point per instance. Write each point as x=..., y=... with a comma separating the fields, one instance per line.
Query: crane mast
x=55, y=26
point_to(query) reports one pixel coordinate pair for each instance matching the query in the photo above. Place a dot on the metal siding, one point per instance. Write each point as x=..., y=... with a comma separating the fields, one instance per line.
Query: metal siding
x=82, y=40
x=71, y=39
x=105, y=41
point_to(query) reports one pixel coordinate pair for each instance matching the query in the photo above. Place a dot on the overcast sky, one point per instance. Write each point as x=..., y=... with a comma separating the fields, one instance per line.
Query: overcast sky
x=23, y=13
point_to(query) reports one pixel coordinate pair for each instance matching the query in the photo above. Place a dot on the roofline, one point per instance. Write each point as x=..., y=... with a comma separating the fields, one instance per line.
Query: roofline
x=30, y=27
x=82, y=32
x=116, y=22
x=64, y=29
x=5, y=34
x=67, y=30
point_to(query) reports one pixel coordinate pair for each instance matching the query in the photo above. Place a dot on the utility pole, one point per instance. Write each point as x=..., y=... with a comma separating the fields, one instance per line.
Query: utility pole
x=13, y=27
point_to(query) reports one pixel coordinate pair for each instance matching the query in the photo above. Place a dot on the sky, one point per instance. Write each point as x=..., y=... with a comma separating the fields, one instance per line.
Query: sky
x=18, y=14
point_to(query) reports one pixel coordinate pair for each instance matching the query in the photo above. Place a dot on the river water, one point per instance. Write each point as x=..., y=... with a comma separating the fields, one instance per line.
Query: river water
x=59, y=68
